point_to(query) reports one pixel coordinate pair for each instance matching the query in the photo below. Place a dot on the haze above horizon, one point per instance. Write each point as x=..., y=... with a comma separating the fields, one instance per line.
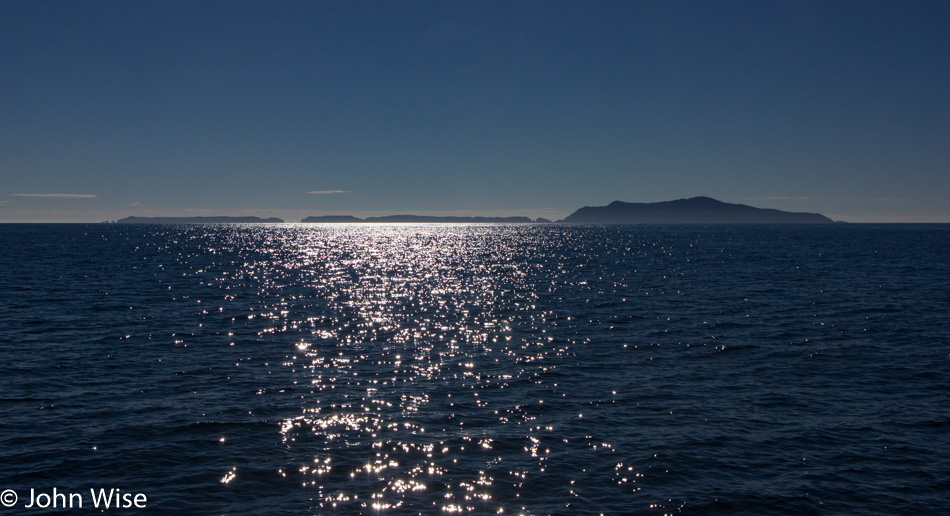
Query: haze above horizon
x=113, y=109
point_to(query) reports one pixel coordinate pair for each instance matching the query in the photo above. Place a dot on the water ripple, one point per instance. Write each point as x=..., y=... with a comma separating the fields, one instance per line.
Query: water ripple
x=407, y=369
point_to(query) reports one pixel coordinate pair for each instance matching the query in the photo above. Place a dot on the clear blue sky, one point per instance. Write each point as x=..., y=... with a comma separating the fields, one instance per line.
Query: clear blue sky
x=117, y=108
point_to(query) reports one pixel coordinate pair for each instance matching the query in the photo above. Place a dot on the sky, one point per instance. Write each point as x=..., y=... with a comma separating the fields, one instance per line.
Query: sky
x=111, y=109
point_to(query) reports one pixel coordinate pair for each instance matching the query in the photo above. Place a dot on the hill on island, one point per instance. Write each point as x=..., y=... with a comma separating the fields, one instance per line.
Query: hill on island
x=697, y=210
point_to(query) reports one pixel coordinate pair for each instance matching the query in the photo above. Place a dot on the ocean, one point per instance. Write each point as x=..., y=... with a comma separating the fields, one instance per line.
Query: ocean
x=483, y=369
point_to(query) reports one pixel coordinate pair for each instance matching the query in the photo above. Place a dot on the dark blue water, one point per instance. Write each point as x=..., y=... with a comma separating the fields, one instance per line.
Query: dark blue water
x=532, y=369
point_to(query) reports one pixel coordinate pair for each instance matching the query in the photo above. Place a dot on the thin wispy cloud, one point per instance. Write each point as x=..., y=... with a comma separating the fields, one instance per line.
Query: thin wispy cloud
x=59, y=195
x=327, y=192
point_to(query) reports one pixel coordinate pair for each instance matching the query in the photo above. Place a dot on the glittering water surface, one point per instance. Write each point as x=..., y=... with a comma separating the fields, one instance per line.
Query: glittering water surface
x=402, y=369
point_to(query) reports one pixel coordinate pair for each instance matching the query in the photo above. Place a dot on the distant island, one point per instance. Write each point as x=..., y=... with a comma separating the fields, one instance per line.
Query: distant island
x=419, y=219
x=197, y=220
x=697, y=210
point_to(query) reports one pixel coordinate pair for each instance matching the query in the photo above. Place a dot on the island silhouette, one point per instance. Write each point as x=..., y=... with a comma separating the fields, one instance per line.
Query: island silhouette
x=696, y=210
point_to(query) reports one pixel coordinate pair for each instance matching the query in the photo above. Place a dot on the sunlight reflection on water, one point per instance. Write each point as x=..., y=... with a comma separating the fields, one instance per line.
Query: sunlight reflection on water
x=409, y=371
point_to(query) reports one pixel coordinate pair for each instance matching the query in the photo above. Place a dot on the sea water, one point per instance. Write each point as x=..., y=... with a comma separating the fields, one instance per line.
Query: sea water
x=511, y=369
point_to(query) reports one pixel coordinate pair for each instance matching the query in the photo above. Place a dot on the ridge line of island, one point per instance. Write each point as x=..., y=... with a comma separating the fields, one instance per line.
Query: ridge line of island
x=696, y=210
